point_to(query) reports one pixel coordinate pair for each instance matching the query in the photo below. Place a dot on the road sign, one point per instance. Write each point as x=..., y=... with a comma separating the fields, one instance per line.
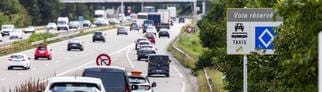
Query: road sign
x=103, y=59
x=251, y=30
x=264, y=37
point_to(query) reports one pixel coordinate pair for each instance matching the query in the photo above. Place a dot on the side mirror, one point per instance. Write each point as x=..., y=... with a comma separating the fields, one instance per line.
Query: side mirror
x=134, y=87
x=170, y=61
x=146, y=60
x=154, y=84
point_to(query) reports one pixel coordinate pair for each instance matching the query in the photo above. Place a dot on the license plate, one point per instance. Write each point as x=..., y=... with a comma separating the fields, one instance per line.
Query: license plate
x=159, y=70
x=16, y=60
x=74, y=45
x=42, y=52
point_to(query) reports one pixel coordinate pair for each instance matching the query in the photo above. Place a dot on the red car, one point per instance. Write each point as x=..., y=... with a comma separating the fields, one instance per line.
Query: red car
x=151, y=37
x=43, y=52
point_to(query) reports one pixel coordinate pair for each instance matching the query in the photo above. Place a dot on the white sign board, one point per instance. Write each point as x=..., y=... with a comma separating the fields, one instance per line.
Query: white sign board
x=251, y=30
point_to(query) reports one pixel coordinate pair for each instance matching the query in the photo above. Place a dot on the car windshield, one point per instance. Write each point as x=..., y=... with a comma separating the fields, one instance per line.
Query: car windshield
x=163, y=29
x=74, y=87
x=144, y=43
x=137, y=80
x=159, y=58
x=42, y=48
x=122, y=29
x=149, y=36
x=61, y=22
x=147, y=51
x=16, y=56
x=98, y=33
x=148, y=22
x=134, y=25
x=150, y=27
x=111, y=80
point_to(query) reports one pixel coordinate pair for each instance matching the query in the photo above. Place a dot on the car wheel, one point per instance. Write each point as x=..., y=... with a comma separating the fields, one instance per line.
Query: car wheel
x=168, y=36
x=138, y=58
x=93, y=41
x=167, y=75
x=25, y=68
x=104, y=41
x=81, y=49
x=36, y=58
x=49, y=58
x=149, y=75
x=9, y=68
x=68, y=49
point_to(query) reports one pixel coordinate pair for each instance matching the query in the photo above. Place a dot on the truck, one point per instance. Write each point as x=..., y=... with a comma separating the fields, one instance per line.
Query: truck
x=100, y=14
x=156, y=18
x=165, y=18
x=62, y=23
x=173, y=13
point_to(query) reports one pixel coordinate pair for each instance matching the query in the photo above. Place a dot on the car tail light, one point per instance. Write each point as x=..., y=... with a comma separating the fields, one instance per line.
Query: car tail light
x=10, y=59
x=146, y=87
x=127, y=88
x=23, y=59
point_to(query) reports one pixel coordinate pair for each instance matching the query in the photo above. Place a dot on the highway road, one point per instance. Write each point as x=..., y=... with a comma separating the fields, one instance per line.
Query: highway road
x=119, y=47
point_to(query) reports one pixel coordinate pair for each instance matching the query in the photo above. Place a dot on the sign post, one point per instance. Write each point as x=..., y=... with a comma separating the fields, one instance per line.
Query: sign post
x=250, y=30
x=103, y=59
x=319, y=63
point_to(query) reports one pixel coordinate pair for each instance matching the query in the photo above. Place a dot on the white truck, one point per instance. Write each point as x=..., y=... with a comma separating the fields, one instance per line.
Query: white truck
x=100, y=14
x=62, y=23
x=173, y=13
x=165, y=16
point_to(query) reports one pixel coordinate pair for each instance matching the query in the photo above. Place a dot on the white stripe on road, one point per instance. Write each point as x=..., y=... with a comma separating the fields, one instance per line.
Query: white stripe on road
x=179, y=73
x=183, y=87
x=3, y=79
x=128, y=58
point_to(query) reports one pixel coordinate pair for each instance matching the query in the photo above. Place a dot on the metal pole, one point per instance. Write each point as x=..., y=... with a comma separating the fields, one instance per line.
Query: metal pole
x=319, y=63
x=203, y=7
x=195, y=15
x=245, y=73
x=142, y=5
x=122, y=7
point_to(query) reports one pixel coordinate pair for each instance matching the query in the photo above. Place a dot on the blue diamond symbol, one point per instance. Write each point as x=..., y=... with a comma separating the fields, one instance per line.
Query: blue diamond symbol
x=266, y=38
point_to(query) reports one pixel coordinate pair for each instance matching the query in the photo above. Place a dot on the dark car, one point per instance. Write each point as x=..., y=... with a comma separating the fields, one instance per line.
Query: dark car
x=163, y=25
x=98, y=36
x=115, y=79
x=134, y=26
x=151, y=37
x=75, y=44
x=164, y=32
x=122, y=30
x=158, y=64
x=144, y=53
x=181, y=20
x=137, y=42
x=147, y=23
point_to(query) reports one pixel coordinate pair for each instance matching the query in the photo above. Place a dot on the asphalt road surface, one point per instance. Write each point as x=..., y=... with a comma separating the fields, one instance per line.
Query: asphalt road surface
x=119, y=47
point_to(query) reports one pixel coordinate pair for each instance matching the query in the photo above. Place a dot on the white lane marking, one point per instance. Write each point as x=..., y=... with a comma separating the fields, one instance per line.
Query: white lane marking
x=183, y=87
x=128, y=58
x=3, y=79
x=179, y=73
x=19, y=73
x=73, y=69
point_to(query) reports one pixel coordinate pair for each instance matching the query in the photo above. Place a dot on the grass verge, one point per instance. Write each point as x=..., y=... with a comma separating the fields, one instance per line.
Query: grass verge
x=191, y=45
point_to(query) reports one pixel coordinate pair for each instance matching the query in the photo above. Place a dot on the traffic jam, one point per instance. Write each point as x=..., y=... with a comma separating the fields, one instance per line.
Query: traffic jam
x=105, y=77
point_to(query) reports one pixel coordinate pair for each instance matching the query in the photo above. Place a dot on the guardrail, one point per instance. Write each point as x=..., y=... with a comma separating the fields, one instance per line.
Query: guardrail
x=208, y=79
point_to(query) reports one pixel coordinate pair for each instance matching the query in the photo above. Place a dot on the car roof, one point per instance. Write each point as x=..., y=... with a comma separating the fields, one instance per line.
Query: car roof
x=158, y=55
x=106, y=67
x=75, y=79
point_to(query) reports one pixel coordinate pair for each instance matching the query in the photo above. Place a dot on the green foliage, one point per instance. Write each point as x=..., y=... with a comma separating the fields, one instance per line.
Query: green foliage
x=294, y=66
x=14, y=11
